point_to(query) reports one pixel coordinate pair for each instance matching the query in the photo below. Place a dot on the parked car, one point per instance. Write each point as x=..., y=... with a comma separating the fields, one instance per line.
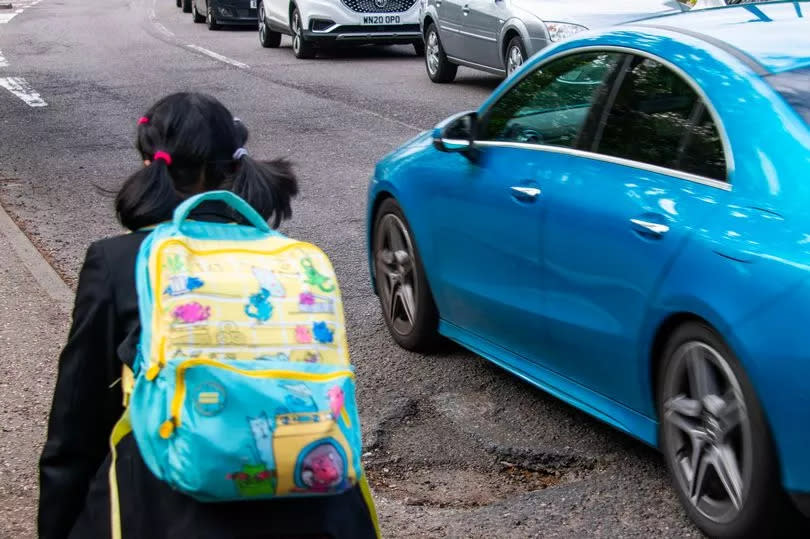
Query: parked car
x=624, y=224
x=315, y=24
x=704, y=4
x=216, y=13
x=498, y=35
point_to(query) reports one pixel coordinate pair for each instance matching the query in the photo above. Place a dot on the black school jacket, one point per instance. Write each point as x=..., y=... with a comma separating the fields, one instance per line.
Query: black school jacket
x=74, y=489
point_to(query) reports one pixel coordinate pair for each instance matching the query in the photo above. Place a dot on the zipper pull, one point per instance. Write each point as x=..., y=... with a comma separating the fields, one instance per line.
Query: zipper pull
x=153, y=371
x=167, y=428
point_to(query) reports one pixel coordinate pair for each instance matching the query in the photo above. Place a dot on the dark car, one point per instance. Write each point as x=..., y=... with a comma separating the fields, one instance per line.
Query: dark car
x=217, y=13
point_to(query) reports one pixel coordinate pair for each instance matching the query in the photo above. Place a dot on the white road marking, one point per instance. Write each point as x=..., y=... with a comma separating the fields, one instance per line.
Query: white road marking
x=217, y=56
x=163, y=30
x=19, y=7
x=20, y=87
x=7, y=16
x=3, y=61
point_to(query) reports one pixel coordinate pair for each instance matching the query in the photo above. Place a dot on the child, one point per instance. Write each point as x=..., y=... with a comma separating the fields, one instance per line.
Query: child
x=189, y=143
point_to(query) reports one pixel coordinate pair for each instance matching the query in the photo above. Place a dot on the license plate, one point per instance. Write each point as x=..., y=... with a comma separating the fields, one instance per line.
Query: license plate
x=381, y=19
x=252, y=4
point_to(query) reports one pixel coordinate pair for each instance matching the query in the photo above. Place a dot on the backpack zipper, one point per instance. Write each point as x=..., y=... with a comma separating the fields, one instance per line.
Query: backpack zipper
x=168, y=427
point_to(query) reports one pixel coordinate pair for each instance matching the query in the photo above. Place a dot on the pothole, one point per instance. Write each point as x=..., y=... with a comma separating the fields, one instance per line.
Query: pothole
x=509, y=473
x=458, y=488
x=415, y=456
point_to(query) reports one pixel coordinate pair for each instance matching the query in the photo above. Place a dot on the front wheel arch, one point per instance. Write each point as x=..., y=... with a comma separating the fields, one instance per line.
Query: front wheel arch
x=292, y=7
x=507, y=37
x=425, y=24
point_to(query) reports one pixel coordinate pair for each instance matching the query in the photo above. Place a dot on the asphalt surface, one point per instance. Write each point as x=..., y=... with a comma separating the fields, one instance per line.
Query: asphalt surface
x=455, y=446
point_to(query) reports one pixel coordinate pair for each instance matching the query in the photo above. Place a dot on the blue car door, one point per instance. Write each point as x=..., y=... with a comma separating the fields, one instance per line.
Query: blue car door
x=489, y=215
x=651, y=167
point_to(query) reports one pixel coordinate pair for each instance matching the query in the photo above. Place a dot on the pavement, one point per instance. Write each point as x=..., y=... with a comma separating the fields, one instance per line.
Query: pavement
x=34, y=315
x=455, y=446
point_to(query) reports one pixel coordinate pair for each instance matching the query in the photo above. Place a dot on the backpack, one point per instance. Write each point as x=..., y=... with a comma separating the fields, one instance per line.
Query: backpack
x=241, y=388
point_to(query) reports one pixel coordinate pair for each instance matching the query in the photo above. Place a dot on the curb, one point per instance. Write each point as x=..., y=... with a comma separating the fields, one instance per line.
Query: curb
x=35, y=263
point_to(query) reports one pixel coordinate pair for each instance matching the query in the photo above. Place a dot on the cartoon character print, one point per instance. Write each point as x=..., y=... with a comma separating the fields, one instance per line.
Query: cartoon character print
x=262, y=432
x=310, y=303
x=258, y=479
x=254, y=480
x=175, y=264
x=259, y=306
x=303, y=335
x=336, y=400
x=323, y=469
x=229, y=334
x=281, y=356
x=322, y=332
x=182, y=284
x=299, y=397
x=268, y=281
x=315, y=278
x=190, y=313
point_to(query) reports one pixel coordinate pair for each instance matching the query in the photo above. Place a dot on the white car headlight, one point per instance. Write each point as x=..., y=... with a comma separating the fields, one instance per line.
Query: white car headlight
x=558, y=31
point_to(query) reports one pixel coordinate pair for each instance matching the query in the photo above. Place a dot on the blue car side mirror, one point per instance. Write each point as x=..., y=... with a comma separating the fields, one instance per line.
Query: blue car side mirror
x=456, y=133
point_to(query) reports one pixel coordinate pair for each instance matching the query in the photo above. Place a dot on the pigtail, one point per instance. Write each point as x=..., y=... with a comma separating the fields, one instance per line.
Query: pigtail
x=268, y=186
x=147, y=197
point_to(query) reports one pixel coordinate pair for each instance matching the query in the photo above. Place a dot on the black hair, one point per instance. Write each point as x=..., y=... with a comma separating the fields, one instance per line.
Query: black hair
x=201, y=137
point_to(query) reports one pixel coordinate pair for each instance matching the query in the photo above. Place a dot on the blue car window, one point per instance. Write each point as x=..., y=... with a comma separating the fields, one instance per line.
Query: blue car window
x=795, y=88
x=550, y=105
x=657, y=118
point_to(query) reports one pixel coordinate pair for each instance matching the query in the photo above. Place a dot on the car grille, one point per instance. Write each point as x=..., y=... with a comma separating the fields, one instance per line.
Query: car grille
x=379, y=6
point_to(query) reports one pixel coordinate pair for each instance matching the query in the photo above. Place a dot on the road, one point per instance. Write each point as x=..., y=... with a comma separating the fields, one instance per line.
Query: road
x=456, y=447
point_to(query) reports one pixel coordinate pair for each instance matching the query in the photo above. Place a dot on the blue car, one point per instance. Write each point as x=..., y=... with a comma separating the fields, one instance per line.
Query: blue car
x=625, y=223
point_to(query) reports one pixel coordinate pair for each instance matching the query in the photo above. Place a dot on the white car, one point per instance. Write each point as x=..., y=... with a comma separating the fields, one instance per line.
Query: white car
x=315, y=24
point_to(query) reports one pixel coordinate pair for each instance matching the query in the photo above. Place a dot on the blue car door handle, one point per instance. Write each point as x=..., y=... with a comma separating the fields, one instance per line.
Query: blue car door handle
x=525, y=194
x=649, y=227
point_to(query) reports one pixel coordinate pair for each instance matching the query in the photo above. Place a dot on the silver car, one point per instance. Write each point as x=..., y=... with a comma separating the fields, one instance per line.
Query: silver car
x=498, y=35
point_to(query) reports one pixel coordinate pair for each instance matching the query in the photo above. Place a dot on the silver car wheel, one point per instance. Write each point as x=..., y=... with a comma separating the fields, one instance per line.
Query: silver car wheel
x=396, y=273
x=296, y=31
x=262, y=23
x=514, y=59
x=708, y=436
x=432, y=55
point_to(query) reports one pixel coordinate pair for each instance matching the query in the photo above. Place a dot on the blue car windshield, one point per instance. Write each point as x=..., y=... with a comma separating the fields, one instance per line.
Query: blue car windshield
x=795, y=88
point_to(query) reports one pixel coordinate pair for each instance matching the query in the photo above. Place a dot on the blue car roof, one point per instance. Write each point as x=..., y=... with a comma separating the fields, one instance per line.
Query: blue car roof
x=775, y=34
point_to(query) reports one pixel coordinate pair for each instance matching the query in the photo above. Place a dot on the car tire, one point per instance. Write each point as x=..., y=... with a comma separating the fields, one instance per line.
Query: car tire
x=439, y=68
x=179, y=3
x=195, y=14
x=210, y=18
x=302, y=48
x=187, y=6
x=268, y=38
x=419, y=47
x=405, y=297
x=515, y=55
x=711, y=421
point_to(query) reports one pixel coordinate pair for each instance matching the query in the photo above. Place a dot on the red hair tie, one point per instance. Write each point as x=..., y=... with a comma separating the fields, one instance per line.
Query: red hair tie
x=143, y=120
x=162, y=155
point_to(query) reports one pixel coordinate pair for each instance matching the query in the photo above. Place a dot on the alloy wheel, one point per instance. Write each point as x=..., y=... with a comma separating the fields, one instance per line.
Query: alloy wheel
x=262, y=23
x=432, y=52
x=296, y=31
x=396, y=273
x=708, y=432
x=514, y=59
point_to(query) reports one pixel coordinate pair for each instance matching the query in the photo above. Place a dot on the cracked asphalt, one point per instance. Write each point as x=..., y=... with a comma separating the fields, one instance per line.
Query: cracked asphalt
x=455, y=446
